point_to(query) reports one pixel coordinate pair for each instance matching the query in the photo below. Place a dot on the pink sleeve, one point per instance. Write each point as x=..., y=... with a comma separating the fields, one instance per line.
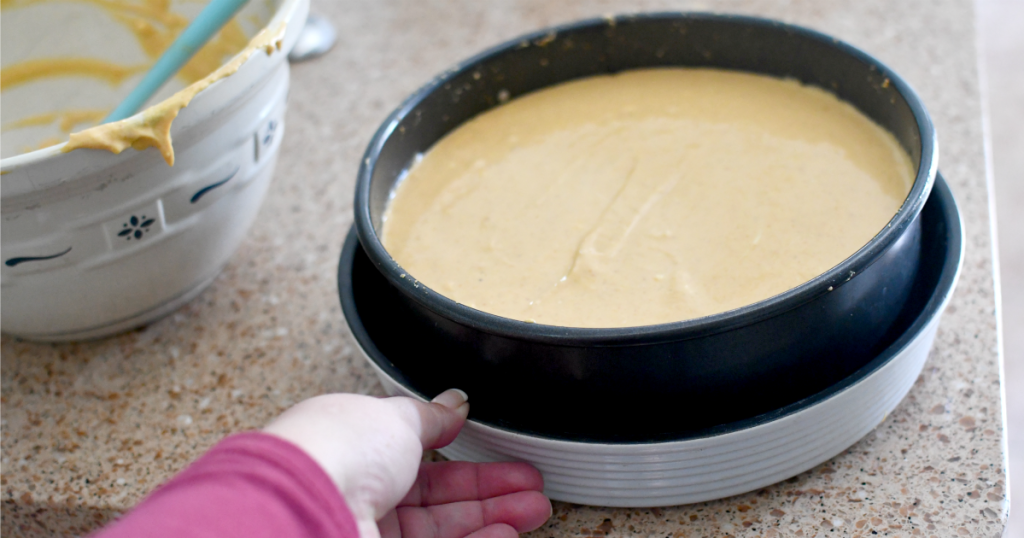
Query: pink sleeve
x=249, y=485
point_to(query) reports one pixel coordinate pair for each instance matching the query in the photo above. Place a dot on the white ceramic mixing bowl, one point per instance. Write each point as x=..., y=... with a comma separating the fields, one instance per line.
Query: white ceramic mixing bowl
x=95, y=243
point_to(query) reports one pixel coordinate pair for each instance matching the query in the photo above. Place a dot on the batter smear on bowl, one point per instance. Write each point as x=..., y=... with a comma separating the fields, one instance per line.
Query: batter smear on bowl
x=645, y=197
x=62, y=63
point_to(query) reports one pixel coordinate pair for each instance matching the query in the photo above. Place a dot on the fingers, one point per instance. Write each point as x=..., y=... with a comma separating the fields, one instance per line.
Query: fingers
x=451, y=398
x=499, y=530
x=523, y=511
x=389, y=529
x=441, y=483
x=388, y=525
x=438, y=422
x=448, y=412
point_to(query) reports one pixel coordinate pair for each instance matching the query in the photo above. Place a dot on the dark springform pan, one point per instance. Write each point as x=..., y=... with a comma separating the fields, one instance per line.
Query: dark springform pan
x=369, y=302
x=658, y=381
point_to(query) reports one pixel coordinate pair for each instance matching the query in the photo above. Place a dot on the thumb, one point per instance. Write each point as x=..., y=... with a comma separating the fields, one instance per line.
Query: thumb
x=441, y=419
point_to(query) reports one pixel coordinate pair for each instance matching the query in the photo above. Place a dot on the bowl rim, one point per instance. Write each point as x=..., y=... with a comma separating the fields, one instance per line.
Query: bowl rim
x=284, y=13
x=939, y=297
x=824, y=283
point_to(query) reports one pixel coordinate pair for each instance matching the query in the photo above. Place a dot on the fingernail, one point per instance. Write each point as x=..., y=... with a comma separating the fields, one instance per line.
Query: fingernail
x=451, y=398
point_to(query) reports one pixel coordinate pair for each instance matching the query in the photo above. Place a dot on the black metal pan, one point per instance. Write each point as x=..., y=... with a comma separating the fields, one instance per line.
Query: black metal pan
x=620, y=384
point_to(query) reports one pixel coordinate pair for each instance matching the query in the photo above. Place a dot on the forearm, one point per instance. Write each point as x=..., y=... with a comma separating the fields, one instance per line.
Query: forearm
x=248, y=485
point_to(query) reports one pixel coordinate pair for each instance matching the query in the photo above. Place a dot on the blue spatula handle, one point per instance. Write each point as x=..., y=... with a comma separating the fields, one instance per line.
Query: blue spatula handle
x=213, y=17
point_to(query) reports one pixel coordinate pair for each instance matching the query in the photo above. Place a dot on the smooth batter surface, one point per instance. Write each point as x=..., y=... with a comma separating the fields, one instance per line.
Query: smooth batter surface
x=645, y=197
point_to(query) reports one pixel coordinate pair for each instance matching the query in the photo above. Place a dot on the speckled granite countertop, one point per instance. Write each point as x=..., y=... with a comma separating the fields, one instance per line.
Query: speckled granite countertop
x=90, y=428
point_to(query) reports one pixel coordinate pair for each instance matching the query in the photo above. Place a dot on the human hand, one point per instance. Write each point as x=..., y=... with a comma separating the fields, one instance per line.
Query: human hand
x=372, y=447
